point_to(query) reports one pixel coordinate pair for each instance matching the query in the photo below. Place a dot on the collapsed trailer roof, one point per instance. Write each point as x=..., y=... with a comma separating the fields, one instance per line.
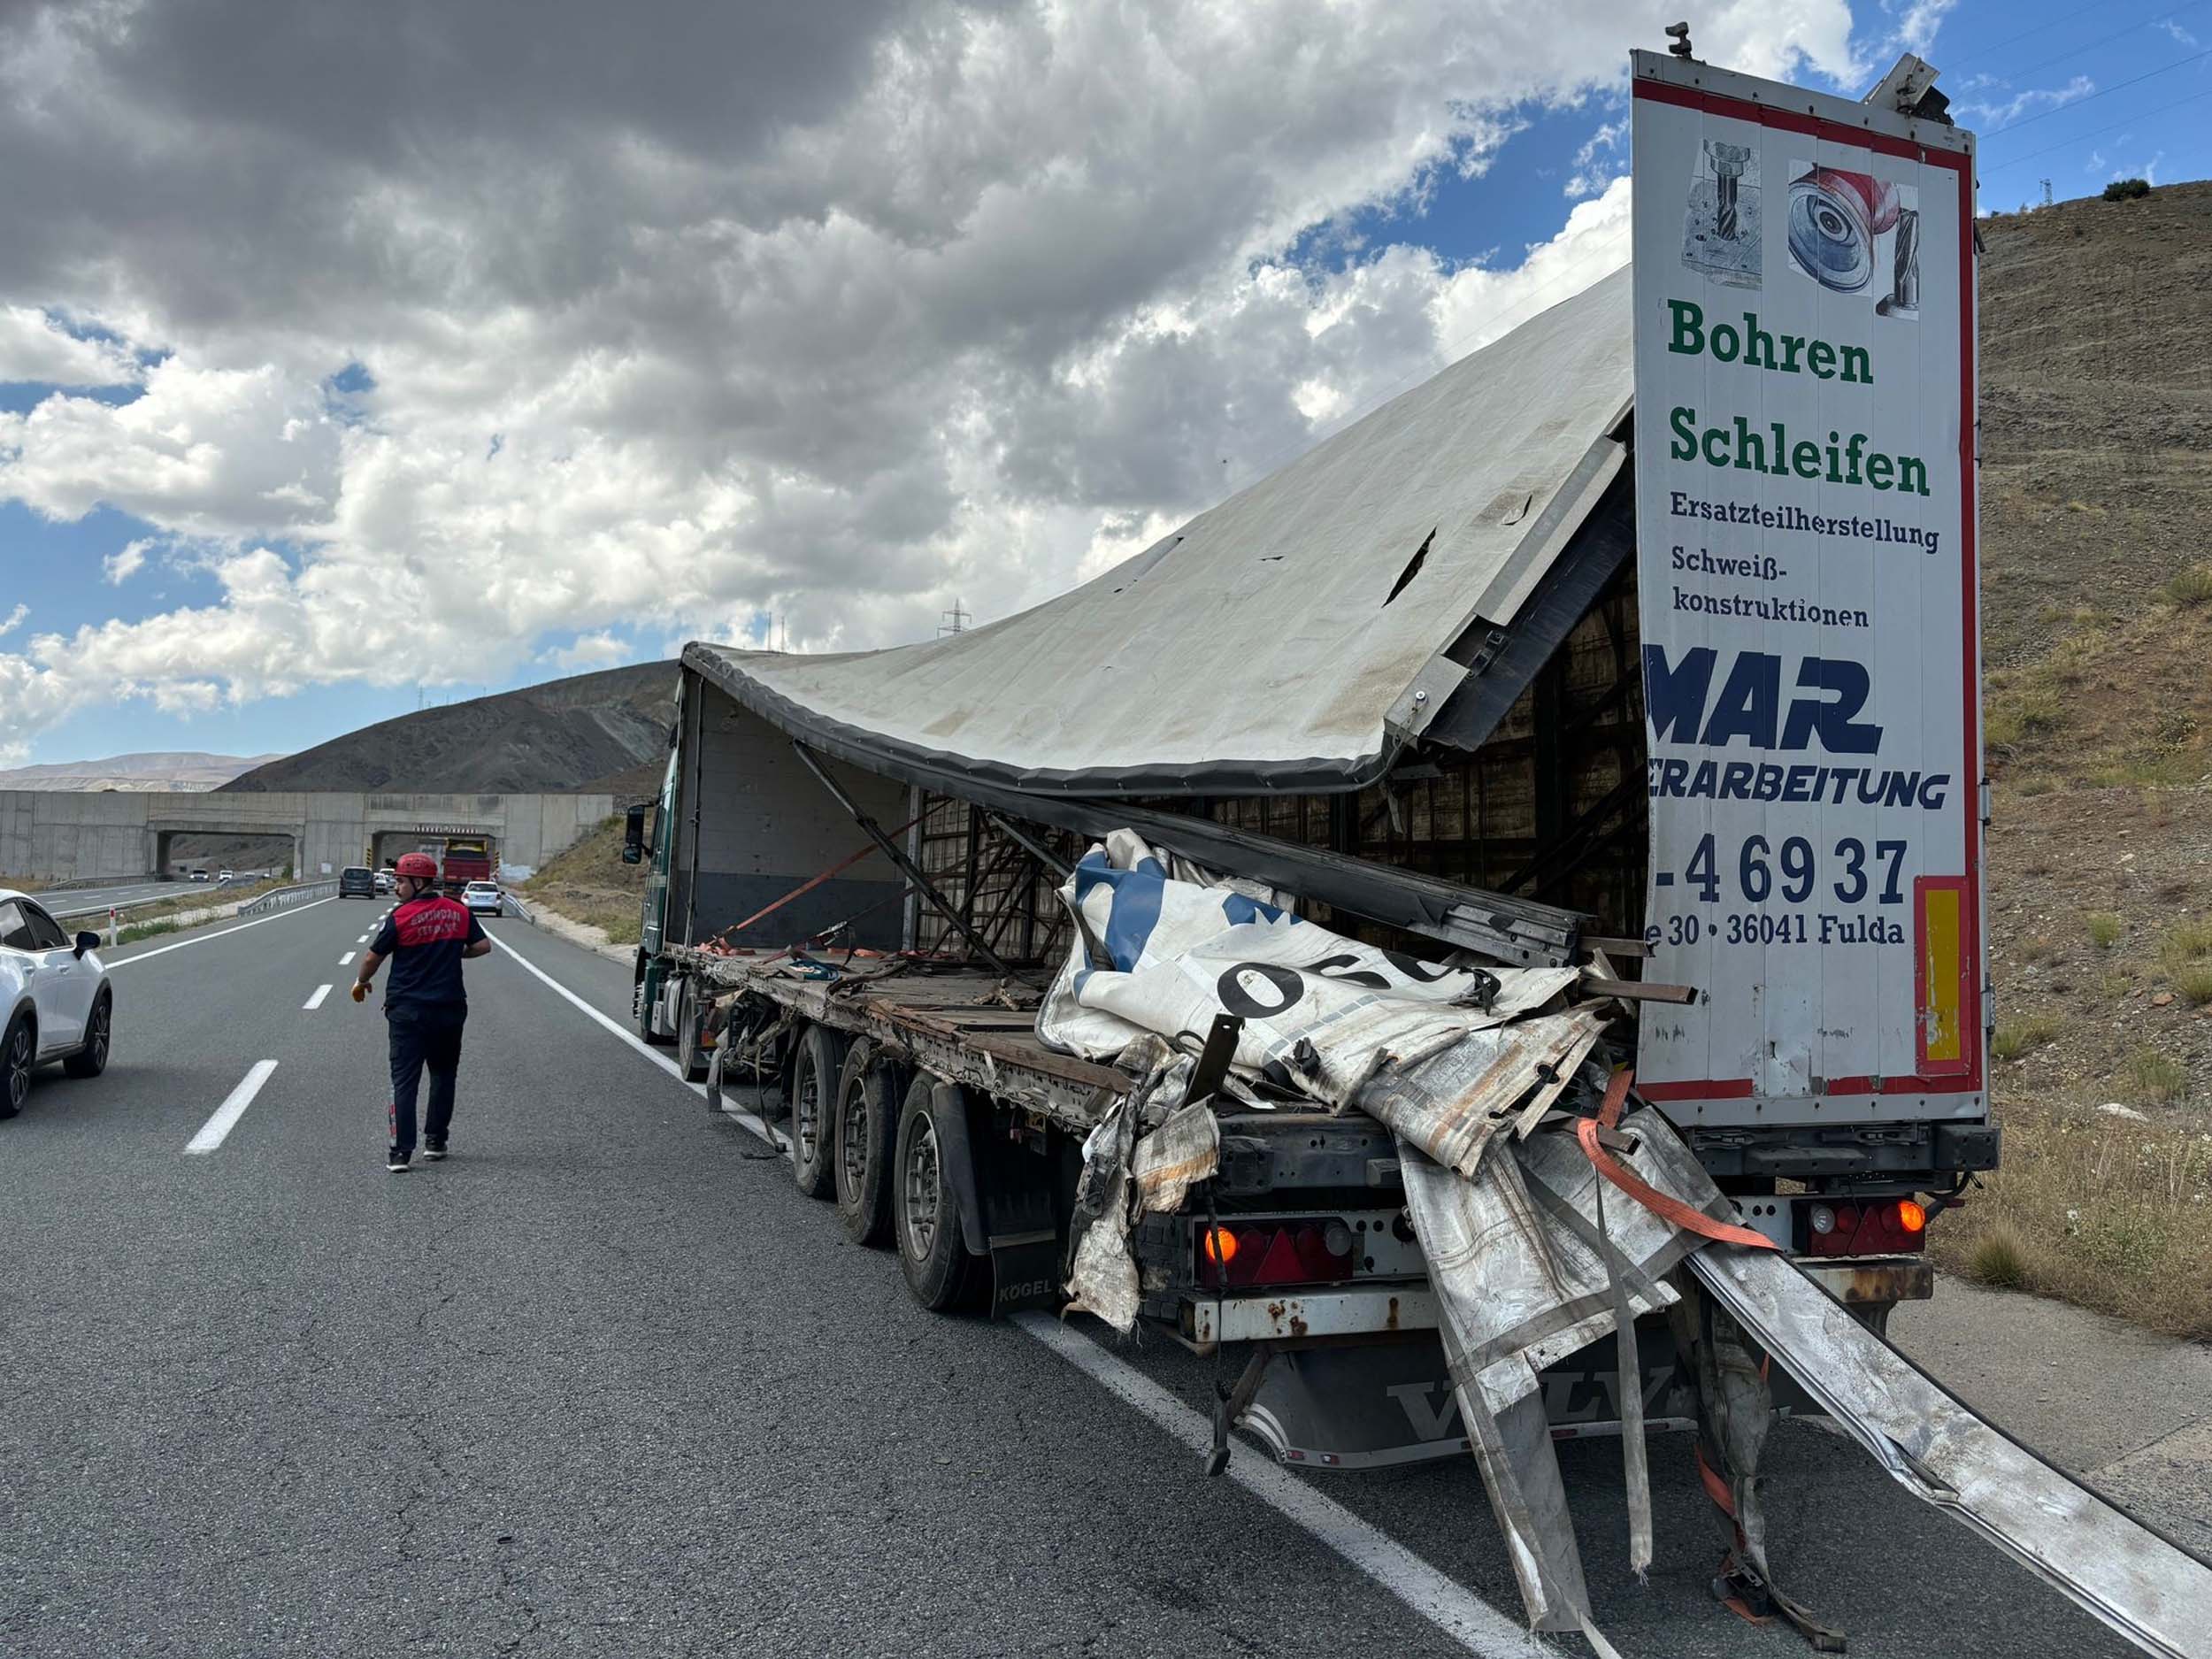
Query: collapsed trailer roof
x=1295, y=637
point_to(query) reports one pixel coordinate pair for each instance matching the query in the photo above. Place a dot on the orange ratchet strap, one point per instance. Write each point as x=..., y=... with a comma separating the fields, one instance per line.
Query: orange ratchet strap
x=1651, y=1198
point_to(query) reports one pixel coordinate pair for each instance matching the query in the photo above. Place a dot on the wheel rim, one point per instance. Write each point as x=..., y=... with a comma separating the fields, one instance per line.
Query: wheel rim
x=852, y=1130
x=921, y=1190
x=19, y=1068
x=806, y=1117
x=97, y=1048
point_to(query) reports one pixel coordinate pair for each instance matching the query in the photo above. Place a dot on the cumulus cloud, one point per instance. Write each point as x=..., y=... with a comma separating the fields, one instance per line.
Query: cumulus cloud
x=1995, y=112
x=1597, y=160
x=125, y=563
x=15, y=618
x=687, y=317
x=35, y=347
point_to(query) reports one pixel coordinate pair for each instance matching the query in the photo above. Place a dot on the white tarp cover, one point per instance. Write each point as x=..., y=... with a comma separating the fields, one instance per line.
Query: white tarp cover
x=1259, y=646
x=1322, y=1014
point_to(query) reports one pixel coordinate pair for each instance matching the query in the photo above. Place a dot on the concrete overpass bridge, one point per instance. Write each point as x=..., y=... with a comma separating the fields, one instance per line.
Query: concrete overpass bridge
x=58, y=835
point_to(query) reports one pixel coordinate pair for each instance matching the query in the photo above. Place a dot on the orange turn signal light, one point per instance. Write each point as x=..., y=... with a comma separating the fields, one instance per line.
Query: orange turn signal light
x=1910, y=1214
x=1221, y=1246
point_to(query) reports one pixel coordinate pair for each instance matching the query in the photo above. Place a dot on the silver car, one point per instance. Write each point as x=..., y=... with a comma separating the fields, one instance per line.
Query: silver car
x=55, y=1003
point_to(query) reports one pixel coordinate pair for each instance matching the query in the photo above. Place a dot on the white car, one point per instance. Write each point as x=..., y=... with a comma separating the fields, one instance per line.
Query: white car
x=483, y=896
x=55, y=1004
x=227, y=875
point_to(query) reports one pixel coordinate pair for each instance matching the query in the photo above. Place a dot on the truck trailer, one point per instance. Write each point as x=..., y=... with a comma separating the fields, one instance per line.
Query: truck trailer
x=1460, y=729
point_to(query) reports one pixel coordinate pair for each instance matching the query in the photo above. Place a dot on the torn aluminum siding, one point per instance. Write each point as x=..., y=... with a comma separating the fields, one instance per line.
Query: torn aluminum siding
x=1290, y=639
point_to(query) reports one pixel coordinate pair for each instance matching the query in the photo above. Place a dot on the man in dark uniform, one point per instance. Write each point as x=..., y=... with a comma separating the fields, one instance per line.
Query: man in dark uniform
x=427, y=937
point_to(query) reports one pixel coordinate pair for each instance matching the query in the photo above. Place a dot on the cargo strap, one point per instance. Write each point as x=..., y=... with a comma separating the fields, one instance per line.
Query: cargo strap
x=1746, y=1592
x=813, y=882
x=1670, y=1210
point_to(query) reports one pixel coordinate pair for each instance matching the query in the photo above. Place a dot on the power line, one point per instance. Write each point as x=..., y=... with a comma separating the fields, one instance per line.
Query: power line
x=2178, y=62
x=2097, y=132
x=2077, y=51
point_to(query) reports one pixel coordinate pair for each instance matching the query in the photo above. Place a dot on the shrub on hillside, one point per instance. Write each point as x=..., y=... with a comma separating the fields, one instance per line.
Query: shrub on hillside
x=2126, y=189
x=2191, y=586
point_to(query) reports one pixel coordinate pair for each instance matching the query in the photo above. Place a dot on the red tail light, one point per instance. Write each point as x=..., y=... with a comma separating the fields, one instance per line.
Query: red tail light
x=1877, y=1226
x=1303, y=1250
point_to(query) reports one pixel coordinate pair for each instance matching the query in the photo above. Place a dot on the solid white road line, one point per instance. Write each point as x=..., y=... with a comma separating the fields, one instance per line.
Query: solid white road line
x=773, y=1138
x=316, y=1000
x=345, y=959
x=230, y=1111
x=201, y=939
x=1451, y=1607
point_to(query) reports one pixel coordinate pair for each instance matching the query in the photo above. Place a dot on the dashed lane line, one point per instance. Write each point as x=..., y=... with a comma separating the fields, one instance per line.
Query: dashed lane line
x=1450, y=1605
x=316, y=1000
x=226, y=1115
x=345, y=959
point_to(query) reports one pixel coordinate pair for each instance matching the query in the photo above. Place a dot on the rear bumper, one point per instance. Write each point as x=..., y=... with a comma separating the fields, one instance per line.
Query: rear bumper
x=1873, y=1281
x=1290, y=1316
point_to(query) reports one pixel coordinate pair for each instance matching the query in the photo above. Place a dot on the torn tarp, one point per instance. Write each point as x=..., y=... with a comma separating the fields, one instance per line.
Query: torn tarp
x=1322, y=1013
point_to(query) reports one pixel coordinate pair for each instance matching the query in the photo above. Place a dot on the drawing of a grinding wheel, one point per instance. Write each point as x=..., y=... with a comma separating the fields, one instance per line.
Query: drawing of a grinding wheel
x=1834, y=218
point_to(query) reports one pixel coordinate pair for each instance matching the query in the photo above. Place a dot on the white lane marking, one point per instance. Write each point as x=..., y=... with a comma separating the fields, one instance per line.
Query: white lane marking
x=231, y=1110
x=363, y=939
x=316, y=1000
x=345, y=959
x=773, y=1138
x=201, y=939
x=1451, y=1607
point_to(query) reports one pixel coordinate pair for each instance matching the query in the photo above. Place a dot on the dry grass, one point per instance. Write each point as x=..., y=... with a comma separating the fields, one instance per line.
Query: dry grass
x=1998, y=1257
x=2191, y=586
x=2104, y=928
x=589, y=883
x=2015, y=1038
x=2116, y=1217
x=2156, y=1078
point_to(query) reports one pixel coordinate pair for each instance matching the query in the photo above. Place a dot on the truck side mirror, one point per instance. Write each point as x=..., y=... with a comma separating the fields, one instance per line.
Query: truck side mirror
x=633, y=836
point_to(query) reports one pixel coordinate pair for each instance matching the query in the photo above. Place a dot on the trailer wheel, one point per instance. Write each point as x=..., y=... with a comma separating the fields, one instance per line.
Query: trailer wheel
x=926, y=1213
x=691, y=1054
x=867, y=1124
x=817, y=1058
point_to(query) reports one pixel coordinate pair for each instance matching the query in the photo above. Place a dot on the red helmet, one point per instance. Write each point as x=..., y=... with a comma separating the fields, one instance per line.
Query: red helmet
x=419, y=865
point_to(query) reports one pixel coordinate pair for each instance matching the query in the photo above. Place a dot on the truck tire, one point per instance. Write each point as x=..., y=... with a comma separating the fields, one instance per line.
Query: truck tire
x=817, y=1058
x=926, y=1213
x=691, y=1053
x=869, y=1099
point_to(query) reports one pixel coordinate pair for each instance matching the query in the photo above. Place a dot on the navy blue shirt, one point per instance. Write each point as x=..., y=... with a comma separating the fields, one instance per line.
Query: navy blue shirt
x=422, y=940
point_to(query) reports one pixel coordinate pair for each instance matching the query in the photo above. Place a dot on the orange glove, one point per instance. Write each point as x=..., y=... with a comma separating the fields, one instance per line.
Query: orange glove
x=360, y=991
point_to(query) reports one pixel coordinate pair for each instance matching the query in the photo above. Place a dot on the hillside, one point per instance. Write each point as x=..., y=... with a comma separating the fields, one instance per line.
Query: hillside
x=2096, y=337
x=162, y=773
x=566, y=734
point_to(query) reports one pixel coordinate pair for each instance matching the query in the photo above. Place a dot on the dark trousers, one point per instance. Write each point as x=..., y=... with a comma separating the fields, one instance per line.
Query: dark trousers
x=424, y=1037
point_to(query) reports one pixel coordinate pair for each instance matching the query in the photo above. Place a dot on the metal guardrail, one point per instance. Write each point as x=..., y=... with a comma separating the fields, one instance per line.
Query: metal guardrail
x=510, y=904
x=85, y=884
x=285, y=898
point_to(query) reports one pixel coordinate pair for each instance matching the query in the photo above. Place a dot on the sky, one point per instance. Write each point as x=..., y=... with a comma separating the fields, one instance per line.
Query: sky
x=357, y=356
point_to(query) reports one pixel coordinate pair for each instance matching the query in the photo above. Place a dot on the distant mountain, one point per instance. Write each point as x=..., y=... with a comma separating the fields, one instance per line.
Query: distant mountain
x=156, y=774
x=563, y=735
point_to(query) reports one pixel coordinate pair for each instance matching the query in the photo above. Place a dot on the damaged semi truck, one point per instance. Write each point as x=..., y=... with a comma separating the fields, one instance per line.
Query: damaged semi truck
x=1490, y=962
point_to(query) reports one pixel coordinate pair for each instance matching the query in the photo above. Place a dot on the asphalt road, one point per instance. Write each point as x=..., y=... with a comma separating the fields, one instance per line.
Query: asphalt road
x=605, y=1383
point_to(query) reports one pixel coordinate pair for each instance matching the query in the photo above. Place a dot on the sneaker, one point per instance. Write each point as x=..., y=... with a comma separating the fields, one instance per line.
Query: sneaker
x=432, y=1150
x=395, y=1159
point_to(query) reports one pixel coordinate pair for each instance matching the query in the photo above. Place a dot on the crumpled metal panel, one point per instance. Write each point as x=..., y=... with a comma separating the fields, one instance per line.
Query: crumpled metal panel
x=2150, y=1590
